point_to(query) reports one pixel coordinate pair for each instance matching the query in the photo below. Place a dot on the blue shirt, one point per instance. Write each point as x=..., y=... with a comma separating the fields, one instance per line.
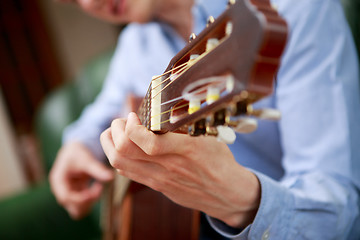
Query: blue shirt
x=308, y=163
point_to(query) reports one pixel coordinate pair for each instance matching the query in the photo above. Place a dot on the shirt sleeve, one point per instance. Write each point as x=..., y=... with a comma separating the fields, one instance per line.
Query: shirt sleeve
x=143, y=50
x=318, y=94
x=97, y=116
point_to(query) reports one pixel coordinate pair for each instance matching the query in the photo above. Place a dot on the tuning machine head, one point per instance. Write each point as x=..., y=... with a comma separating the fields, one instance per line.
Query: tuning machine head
x=223, y=134
x=210, y=20
x=197, y=128
x=243, y=125
x=192, y=37
x=265, y=113
x=231, y=2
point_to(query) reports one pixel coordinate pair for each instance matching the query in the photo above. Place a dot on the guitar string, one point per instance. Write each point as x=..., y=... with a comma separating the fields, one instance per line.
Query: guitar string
x=169, y=110
x=182, y=97
x=176, y=108
x=182, y=71
x=167, y=85
x=158, y=76
x=166, y=79
x=187, y=66
x=143, y=106
x=144, y=103
x=205, y=15
x=171, y=70
x=159, y=123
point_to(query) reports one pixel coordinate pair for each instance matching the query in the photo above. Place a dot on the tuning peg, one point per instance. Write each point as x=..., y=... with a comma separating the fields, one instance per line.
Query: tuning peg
x=192, y=37
x=212, y=95
x=225, y=134
x=231, y=2
x=222, y=133
x=244, y=125
x=266, y=113
x=218, y=118
x=198, y=128
x=210, y=20
x=194, y=56
x=228, y=28
x=194, y=105
x=211, y=44
x=274, y=6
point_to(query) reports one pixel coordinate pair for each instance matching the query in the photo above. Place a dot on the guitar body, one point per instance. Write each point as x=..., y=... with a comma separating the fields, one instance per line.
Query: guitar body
x=147, y=214
x=136, y=212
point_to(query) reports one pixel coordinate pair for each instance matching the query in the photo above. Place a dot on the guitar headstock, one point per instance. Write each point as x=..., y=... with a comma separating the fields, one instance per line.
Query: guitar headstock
x=216, y=77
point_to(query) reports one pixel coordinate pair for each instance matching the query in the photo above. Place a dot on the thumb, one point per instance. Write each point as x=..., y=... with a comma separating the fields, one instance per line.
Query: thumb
x=133, y=119
x=98, y=171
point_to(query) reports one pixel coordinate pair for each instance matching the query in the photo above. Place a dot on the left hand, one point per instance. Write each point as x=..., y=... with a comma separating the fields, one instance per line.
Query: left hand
x=196, y=172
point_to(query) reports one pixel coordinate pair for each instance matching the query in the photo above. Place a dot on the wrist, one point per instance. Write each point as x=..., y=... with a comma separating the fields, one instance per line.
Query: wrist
x=246, y=201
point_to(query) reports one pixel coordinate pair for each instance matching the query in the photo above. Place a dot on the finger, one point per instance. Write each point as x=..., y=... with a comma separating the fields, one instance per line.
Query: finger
x=67, y=190
x=66, y=196
x=153, y=144
x=98, y=170
x=123, y=145
x=87, y=195
x=78, y=211
x=107, y=145
x=146, y=173
x=73, y=211
x=115, y=159
x=95, y=191
x=133, y=169
x=118, y=161
x=59, y=184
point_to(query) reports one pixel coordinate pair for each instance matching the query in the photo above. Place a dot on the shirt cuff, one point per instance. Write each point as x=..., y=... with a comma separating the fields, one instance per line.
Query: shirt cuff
x=272, y=218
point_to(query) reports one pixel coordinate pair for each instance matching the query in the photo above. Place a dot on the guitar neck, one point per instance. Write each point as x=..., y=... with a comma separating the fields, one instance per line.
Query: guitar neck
x=245, y=43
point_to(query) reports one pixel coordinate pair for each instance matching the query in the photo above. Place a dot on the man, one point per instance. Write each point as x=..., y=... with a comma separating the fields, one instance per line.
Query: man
x=69, y=178
x=288, y=180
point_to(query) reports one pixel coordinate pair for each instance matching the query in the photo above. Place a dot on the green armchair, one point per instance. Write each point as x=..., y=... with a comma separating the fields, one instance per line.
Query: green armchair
x=352, y=12
x=35, y=214
x=64, y=105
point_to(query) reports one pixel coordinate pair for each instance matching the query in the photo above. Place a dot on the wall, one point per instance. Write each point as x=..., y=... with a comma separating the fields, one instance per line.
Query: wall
x=12, y=179
x=77, y=36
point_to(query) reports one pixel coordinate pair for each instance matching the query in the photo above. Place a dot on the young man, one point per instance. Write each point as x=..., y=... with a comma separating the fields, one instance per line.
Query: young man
x=136, y=57
x=298, y=178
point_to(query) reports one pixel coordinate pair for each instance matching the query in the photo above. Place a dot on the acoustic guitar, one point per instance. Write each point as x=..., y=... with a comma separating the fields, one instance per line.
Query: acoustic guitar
x=207, y=89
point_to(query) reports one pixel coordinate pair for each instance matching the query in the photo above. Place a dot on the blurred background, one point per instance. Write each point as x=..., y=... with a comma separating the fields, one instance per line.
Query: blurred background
x=53, y=59
x=43, y=45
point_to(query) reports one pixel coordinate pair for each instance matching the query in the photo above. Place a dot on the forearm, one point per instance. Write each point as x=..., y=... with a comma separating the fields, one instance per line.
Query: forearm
x=312, y=206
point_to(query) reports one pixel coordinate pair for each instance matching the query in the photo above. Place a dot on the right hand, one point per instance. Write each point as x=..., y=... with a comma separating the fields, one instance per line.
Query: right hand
x=71, y=179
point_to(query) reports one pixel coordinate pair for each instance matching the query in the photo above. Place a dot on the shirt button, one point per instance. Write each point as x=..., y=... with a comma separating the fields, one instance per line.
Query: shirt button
x=265, y=236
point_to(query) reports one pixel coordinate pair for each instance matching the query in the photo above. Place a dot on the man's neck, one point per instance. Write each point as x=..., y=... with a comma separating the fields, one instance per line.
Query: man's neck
x=178, y=14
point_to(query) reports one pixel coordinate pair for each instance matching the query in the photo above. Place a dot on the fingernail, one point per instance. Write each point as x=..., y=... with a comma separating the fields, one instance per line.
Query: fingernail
x=109, y=175
x=132, y=115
